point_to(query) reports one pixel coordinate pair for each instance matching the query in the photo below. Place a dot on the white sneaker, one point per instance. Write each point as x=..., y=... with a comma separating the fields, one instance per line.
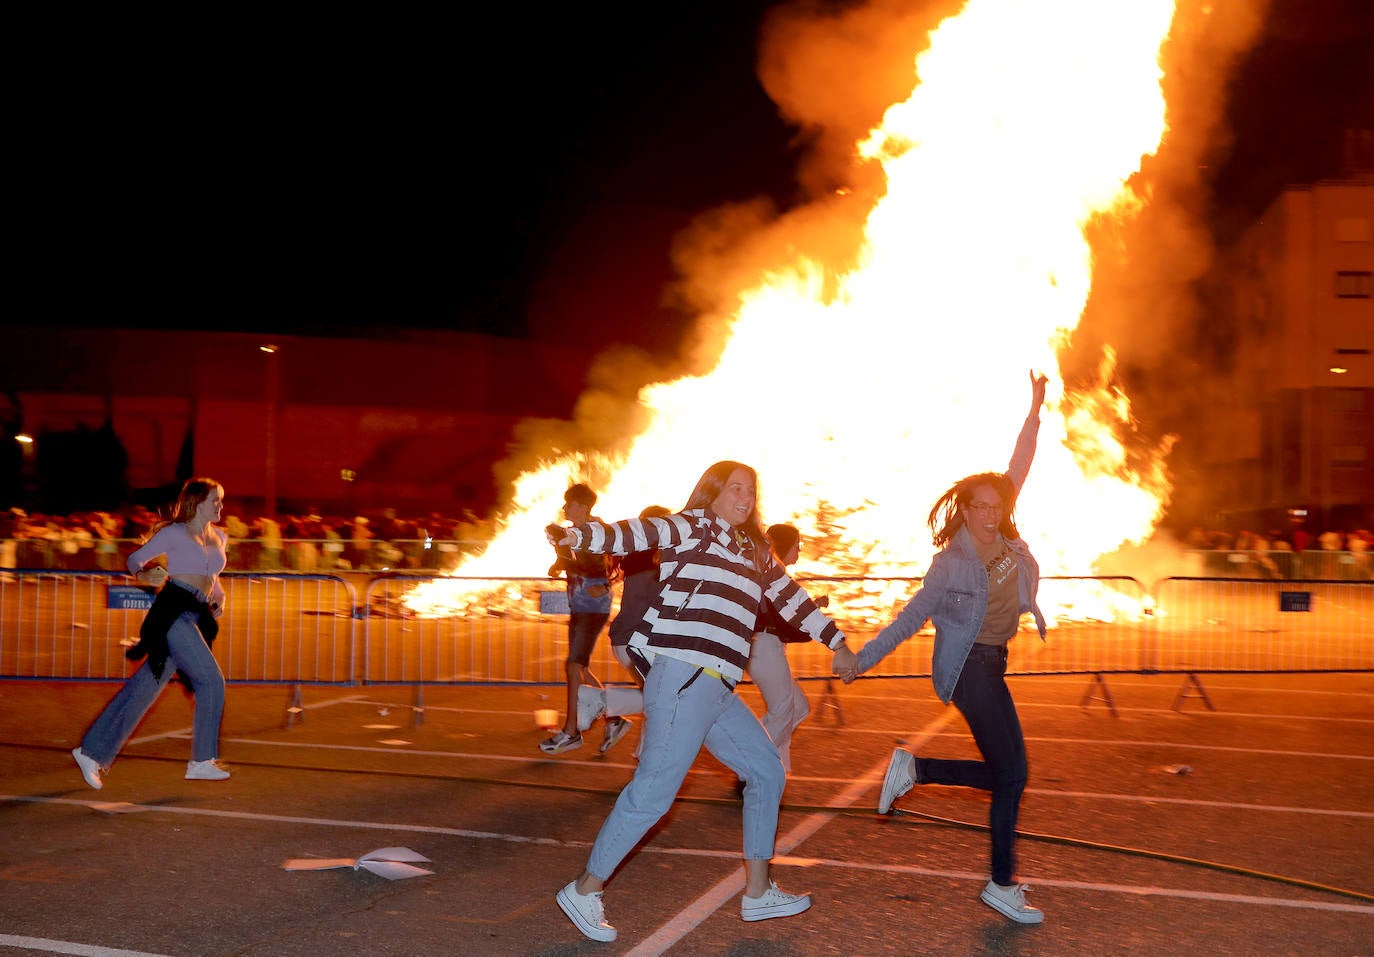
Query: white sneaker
x=616, y=727
x=773, y=903
x=90, y=770
x=900, y=778
x=1011, y=902
x=591, y=704
x=205, y=770
x=560, y=741
x=586, y=912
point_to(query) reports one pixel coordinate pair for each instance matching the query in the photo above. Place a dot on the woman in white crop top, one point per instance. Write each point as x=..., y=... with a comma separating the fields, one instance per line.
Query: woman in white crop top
x=175, y=636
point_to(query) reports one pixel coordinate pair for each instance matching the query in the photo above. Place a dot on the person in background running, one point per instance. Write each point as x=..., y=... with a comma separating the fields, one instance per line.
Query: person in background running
x=783, y=697
x=589, y=608
x=175, y=636
x=637, y=592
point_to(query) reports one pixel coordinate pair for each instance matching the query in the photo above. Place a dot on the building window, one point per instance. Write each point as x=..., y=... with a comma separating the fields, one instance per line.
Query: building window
x=1354, y=284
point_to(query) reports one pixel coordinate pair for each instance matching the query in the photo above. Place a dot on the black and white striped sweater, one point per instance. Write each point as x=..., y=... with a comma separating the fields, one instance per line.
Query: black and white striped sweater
x=709, y=590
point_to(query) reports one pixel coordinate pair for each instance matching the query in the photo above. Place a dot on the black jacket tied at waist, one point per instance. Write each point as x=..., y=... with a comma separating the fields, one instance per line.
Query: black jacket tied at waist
x=774, y=624
x=171, y=602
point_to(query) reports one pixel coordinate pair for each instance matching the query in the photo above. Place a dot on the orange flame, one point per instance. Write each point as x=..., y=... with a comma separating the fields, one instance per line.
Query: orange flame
x=910, y=370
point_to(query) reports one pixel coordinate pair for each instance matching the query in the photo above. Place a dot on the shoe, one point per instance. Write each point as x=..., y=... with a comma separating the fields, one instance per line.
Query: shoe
x=89, y=769
x=586, y=912
x=615, y=730
x=1011, y=902
x=205, y=771
x=560, y=742
x=591, y=704
x=773, y=903
x=900, y=777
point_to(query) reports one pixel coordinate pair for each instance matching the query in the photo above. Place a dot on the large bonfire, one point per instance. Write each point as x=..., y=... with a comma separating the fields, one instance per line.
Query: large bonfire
x=1023, y=126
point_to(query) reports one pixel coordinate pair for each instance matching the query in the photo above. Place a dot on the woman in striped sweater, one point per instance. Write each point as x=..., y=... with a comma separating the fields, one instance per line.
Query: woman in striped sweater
x=693, y=646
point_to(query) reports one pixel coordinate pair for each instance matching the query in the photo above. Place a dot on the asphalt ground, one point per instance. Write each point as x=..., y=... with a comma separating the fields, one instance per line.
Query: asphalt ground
x=1244, y=830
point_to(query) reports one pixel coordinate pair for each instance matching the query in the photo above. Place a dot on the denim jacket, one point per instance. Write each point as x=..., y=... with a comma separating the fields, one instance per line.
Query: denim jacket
x=954, y=593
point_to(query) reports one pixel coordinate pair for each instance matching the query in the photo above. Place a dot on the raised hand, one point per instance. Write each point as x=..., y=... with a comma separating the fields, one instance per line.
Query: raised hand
x=1038, y=382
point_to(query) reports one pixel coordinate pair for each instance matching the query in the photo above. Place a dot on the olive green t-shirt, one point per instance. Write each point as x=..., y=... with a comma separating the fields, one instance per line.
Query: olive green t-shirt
x=1003, y=615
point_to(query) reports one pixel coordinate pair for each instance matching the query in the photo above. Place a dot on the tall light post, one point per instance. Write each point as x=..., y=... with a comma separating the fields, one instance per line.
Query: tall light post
x=269, y=503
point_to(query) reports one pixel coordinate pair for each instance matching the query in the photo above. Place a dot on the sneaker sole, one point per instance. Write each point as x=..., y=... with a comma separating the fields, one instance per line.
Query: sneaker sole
x=592, y=931
x=778, y=910
x=1011, y=913
x=559, y=750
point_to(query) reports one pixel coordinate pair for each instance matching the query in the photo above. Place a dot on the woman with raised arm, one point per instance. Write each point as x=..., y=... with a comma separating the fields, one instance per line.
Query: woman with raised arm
x=692, y=646
x=978, y=587
x=175, y=636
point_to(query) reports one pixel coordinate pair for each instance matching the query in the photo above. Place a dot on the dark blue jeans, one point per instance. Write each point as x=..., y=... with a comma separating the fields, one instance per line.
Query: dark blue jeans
x=982, y=697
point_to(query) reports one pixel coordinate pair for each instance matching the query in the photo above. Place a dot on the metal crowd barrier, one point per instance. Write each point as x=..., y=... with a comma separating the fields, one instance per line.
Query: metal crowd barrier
x=1306, y=565
x=423, y=630
x=76, y=626
x=1216, y=625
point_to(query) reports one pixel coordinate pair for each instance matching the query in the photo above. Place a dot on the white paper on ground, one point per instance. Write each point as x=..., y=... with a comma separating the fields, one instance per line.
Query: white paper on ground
x=388, y=862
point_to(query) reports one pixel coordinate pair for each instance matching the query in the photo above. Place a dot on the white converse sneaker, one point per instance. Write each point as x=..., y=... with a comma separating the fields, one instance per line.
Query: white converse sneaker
x=586, y=912
x=773, y=903
x=205, y=770
x=900, y=777
x=1011, y=902
x=90, y=770
x=591, y=704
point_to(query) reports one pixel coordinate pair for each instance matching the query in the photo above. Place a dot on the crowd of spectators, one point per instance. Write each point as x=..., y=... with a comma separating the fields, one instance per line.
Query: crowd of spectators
x=1286, y=553
x=101, y=541
x=383, y=541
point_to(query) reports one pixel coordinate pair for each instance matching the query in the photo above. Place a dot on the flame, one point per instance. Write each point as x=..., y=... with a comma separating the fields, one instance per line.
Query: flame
x=909, y=370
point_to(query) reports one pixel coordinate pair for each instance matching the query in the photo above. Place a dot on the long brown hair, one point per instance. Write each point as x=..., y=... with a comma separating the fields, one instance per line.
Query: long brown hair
x=948, y=514
x=193, y=492
x=708, y=489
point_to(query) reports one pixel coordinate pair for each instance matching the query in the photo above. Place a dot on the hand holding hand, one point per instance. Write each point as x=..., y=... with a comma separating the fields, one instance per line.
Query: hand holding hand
x=556, y=534
x=845, y=664
x=156, y=576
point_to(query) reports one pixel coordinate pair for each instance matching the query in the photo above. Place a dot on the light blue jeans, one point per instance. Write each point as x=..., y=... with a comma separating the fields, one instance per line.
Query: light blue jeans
x=678, y=719
x=189, y=654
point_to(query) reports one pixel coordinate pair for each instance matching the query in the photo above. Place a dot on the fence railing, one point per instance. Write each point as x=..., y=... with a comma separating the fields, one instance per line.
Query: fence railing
x=73, y=625
x=328, y=556
x=428, y=630
x=303, y=555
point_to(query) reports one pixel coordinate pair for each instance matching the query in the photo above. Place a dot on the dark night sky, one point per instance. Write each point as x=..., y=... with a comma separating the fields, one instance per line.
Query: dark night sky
x=321, y=176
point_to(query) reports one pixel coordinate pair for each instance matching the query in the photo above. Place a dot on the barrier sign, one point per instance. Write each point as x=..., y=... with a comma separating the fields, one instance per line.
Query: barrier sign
x=128, y=598
x=1295, y=601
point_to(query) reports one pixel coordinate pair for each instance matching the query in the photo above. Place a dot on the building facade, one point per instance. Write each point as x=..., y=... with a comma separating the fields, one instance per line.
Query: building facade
x=1297, y=428
x=414, y=421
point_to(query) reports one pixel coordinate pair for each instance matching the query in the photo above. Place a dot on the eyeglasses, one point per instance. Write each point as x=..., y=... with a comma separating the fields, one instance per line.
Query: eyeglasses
x=985, y=508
